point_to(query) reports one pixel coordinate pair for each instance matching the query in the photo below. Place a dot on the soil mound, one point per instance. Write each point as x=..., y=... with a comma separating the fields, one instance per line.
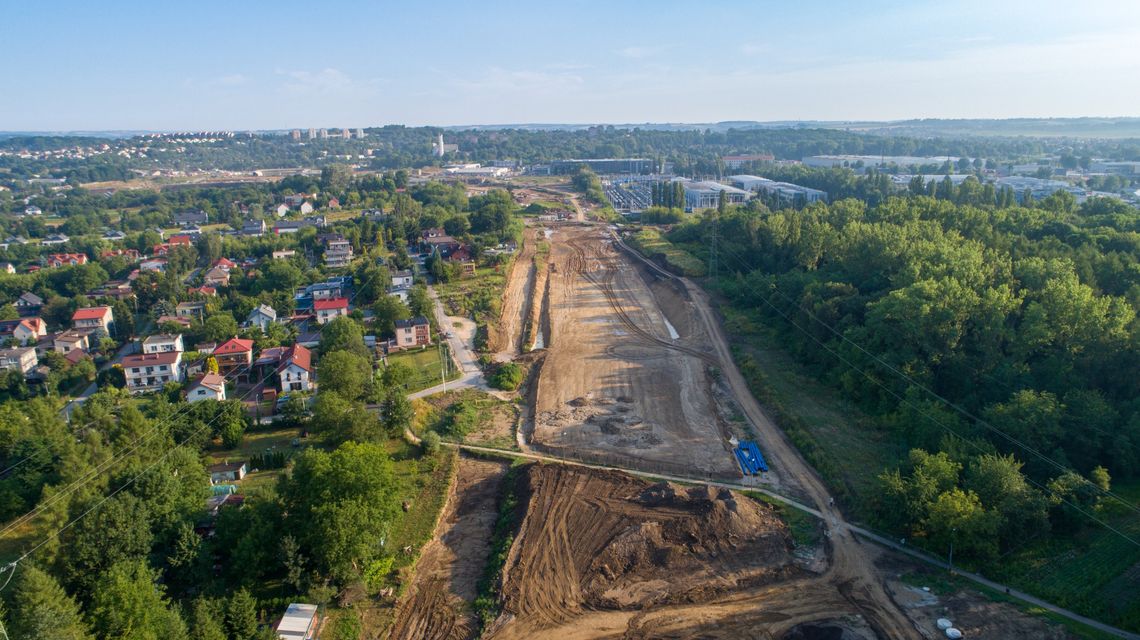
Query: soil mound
x=598, y=540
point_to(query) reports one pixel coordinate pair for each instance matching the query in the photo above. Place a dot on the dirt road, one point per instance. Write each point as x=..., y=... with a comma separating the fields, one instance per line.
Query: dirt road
x=437, y=606
x=852, y=563
x=624, y=379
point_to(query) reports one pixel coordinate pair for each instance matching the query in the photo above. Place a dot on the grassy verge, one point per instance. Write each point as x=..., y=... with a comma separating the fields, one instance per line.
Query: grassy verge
x=479, y=297
x=472, y=417
x=651, y=243
x=804, y=527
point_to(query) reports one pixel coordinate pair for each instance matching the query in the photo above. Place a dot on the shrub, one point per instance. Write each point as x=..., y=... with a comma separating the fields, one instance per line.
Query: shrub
x=430, y=443
x=507, y=377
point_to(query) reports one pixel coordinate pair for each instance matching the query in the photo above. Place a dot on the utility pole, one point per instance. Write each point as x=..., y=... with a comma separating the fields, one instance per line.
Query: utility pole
x=712, y=246
x=951, y=559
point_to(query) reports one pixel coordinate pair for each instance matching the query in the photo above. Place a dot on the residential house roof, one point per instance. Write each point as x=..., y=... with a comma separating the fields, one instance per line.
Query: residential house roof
x=225, y=467
x=150, y=359
x=233, y=346
x=212, y=381
x=417, y=321
x=330, y=303
x=31, y=299
x=90, y=313
x=265, y=310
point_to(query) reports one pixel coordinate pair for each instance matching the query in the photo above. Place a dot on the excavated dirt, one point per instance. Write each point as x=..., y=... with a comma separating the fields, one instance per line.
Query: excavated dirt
x=437, y=606
x=626, y=379
x=603, y=554
x=517, y=303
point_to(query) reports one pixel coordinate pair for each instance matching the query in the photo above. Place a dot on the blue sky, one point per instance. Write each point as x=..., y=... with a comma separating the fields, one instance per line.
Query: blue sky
x=247, y=64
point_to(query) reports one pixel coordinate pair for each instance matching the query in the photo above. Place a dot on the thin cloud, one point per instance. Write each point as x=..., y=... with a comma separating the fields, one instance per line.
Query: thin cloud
x=639, y=53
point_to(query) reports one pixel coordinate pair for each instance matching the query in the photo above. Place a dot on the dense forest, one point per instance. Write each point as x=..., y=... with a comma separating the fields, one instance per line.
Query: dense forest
x=997, y=344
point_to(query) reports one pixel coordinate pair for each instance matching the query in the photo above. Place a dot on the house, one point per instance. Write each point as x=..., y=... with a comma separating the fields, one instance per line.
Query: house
x=32, y=210
x=402, y=279
x=55, y=238
x=114, y=235
x=261, y=317
x=292, y=365
x=334, y=203
x=205, y=348
x=24, y=331
x=180, y=321
x=282, y=210
x=130, y=254
x=338, y=254
x=181, y=240
x=153, y=264
x=224, y=472
x=306, y=208
x=283, y=254
x=234, y=356
x=216, y=277
x=209, y=292
x=22, y=359
x=210, y=386
x=413, y=332
x=253, y=228
x=149, y=371
x=94, y=318
x=300, y=622
x=9, y=268
x=66, y=259
x=191, y=309
x=118, y=289
x=330, y=309
x=71, y=340
x=287, y=226
x=295, y=200
x=29, y=304
x=225, y=263
x=184, y=218
x=162, y=343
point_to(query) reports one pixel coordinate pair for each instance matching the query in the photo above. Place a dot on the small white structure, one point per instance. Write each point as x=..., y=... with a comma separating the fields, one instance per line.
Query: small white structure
x=299, y=622
x=209, y=387
x=162, y=342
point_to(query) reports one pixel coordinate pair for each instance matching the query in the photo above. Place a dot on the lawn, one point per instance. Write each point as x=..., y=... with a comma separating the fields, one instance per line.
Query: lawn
x=494, y=422
x=652, y=244
x=1096, y=572
x=426, y=363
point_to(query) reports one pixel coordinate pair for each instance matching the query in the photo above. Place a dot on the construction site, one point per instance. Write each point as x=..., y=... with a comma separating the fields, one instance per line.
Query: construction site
x=630, y=370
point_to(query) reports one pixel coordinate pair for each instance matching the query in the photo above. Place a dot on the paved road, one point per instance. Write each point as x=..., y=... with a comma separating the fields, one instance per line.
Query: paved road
x=839, y=524
x=127, y=349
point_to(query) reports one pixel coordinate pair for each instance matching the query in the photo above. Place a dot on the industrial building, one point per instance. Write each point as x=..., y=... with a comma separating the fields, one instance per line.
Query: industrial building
x=785, y=191
x=705, y=194
x=870, y=162
x=735, y=162
x=1038, y=187
x=603, y=165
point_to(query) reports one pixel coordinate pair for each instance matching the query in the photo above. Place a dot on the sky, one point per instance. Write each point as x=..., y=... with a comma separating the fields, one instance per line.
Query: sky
x=254, y=64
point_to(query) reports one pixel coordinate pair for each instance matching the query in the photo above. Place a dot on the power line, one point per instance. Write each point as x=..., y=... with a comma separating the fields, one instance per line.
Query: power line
x=908, y=379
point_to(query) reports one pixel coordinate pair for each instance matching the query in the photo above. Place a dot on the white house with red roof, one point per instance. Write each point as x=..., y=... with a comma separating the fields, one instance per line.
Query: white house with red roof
x=24, y=331
x=330, y=309
x=210, y=386
x=293, y=366
x=150, y=371
x=91, y=318
x=234, y=356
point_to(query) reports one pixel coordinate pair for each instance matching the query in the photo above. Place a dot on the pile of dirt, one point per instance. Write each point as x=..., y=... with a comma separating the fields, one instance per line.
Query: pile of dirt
x=605, y=541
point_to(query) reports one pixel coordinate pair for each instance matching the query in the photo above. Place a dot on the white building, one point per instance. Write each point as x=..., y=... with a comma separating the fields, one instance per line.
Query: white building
x=785, y=191
x=162, y=343
x=150, y=371
x=22, y=359
x=300, y=622
x=210, y=386
x=261, y=317
x=705, y=194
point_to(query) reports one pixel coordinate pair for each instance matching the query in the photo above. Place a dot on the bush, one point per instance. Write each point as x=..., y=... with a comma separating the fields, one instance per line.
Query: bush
x=461, y=418
x=430, y=443
x=507, y=377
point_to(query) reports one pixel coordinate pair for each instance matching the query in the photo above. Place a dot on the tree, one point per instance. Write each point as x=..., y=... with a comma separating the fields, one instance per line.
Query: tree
x=232, y=434
x=344, y=419
x=431, y=443
x=41, y=609
x=129, y=603
x=241, y=616
x=343, y=334
x=507, y=376
x=341, y=505
x=419, y=301
x=118, y=531
x=397, y=375
x=396, y=412
x=346, y=374
x=206, y=620
x=219, y=327
x=957, y=518
x=387, y=310
x=1003, y=489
